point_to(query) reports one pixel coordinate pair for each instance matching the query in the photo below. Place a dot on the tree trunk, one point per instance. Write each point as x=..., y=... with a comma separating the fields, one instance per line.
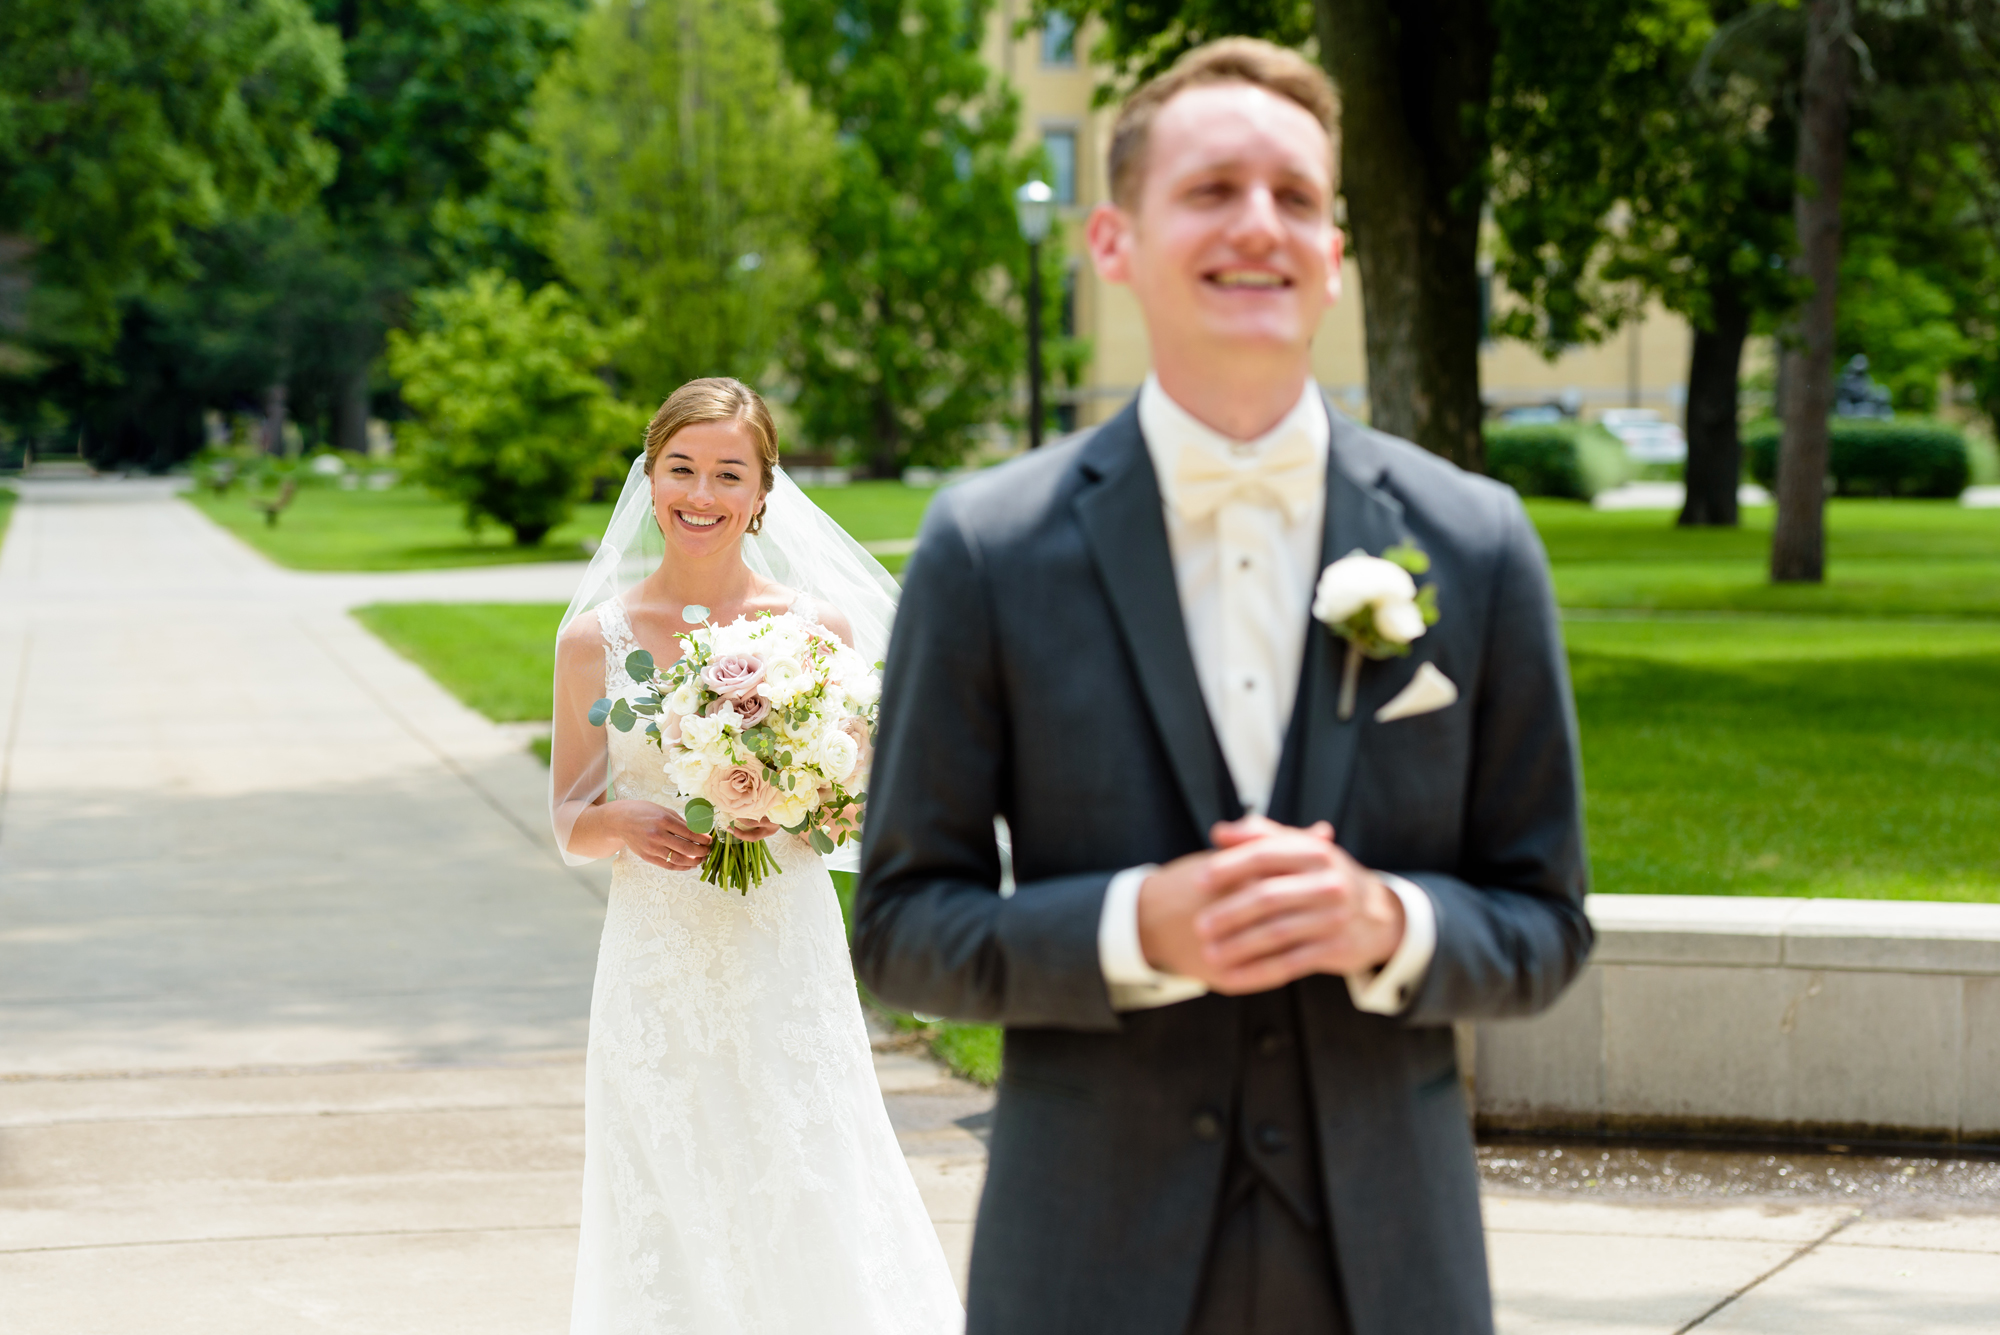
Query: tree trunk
x=274, y=419
x=888, y=437
x=350, y=411
x=1798, y=547
x=1414, y=83
x=1715, y=449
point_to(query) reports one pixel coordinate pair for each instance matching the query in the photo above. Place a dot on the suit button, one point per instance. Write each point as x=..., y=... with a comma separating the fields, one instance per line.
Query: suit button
x=1272, y=1139
x=1270, y=1043
x=1207, y=1126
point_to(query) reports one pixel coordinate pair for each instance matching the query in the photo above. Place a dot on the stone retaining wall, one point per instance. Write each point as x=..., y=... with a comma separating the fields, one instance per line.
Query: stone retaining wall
x=1814, y=1018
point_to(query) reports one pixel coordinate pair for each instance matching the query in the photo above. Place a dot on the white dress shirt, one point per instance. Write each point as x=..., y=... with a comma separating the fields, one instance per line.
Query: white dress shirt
x=1244, y=522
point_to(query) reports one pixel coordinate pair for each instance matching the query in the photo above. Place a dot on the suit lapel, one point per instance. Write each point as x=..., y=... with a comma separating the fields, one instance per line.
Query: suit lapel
x=1119, y=511
x=1320, y=750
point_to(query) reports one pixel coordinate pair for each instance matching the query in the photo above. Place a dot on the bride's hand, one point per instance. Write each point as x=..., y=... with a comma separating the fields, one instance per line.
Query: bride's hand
x=752, y=831
x=656, y=835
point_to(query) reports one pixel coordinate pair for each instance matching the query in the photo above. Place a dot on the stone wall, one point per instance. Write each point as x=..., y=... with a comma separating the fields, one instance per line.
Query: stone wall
x=1817, y=1018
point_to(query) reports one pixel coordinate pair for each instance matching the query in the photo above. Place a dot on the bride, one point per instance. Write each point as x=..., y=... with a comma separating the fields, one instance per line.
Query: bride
x=740, y=1172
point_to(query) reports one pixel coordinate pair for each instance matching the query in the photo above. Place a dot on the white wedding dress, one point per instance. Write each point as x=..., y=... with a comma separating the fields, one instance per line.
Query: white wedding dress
x=740, y=1173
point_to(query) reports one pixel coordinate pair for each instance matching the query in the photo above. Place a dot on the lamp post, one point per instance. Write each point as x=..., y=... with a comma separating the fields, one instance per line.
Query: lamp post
x=1035, y=207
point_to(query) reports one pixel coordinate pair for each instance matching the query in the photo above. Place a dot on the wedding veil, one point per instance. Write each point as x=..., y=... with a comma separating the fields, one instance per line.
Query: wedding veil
x=798, y=545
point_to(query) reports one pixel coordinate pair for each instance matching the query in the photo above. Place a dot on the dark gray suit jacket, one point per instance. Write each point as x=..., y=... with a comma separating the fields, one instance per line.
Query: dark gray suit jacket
x=1040, y=671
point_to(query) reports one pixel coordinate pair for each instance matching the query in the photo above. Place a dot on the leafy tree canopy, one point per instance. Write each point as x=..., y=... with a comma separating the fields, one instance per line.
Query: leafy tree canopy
x=686, y=170
x=908, y=346
x=126, y=123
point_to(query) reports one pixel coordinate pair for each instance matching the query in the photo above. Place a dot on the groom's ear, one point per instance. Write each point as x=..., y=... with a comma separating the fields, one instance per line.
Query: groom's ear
x=1333, y=259
x=1109, y=236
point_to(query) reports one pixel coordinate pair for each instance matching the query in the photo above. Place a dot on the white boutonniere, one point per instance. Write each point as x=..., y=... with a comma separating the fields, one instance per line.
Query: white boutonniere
x=1373, y=603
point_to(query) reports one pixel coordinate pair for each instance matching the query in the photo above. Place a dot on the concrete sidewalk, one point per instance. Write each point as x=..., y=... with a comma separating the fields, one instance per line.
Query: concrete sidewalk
x=293, y=996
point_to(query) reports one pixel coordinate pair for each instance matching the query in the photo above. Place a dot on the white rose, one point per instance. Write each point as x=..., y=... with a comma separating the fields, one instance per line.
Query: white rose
x=1359, y=580
x=689, y=771
x=783, y=679
x=686, y=698
x=738, y=637
x=865, y=691
x=1399, y=623
x=790, y=808
x=699, y=733
x=838, y=755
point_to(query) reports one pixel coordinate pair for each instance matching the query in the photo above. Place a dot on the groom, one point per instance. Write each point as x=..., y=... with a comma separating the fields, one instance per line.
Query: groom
x=1244, y=917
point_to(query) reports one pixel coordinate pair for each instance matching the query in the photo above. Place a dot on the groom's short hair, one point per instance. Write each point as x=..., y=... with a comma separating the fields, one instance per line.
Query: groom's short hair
x=1248, y=60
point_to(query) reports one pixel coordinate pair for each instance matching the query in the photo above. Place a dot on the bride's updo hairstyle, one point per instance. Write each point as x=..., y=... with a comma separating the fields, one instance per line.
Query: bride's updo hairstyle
x=717, y=399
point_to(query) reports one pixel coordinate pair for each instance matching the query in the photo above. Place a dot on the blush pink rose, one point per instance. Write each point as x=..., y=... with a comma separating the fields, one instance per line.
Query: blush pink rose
x=734, y=675
x=740, y=792
x=752, y=710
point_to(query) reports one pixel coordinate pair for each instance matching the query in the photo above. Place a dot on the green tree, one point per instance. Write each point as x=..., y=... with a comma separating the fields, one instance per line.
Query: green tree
x=254, y=325
x=685, y=169
x=512, y=413
x=910, y=344
x=124, y=124
x=431, y=84
x=1660, y=165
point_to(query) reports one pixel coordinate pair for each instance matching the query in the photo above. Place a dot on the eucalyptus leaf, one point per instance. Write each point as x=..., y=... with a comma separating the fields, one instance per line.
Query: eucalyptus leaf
x=622, y=717
x=639, y=665
x=694, y=614
x=821, y=844
x=599, y=712
x=700, y=815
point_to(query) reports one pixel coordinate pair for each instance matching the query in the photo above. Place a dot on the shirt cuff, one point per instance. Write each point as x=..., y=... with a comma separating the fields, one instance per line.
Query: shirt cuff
x=1134, y=984
x=1389, y=989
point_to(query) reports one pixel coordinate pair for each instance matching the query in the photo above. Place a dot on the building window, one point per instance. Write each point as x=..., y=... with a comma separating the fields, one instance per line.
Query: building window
x=1060, y=146
x=1059, y=41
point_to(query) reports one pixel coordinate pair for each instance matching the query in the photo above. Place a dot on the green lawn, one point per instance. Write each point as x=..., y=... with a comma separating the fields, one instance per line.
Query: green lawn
x=1895, y=558
x=6, y=509
x=496, y=657
x=1785, y=756
x=406, y=528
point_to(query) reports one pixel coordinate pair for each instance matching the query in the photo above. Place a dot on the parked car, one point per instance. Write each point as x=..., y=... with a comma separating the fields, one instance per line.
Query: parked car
x=1646, y=438
x=1531, y=414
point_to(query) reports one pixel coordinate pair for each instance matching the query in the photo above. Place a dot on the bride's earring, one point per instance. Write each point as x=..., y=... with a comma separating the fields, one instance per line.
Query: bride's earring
x=756, y=521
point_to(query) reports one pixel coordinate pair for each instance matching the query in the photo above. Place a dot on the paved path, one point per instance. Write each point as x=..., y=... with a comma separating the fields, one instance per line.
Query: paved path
x=293, y=996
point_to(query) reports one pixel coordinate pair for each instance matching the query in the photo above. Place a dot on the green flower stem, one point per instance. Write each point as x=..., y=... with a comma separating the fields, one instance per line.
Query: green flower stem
x=737, y=864
x=1350, y=677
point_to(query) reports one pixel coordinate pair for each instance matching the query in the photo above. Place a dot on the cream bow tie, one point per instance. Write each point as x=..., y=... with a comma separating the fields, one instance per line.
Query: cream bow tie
x=1285, y=473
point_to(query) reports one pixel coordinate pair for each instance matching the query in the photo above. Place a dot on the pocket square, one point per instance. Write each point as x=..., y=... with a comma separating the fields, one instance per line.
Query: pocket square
x=1428, y=691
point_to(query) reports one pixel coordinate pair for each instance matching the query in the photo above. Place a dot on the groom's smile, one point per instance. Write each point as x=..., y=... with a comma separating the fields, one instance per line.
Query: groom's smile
x=1248, y=278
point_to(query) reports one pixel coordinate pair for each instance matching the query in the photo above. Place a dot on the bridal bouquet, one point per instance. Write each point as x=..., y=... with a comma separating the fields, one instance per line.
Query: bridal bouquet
x=761, y=719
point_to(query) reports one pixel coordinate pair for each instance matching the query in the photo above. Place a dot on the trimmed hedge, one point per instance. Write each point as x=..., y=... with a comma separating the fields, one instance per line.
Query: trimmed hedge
x=1539, y=460
x=1869, y=457
x=1561, y=459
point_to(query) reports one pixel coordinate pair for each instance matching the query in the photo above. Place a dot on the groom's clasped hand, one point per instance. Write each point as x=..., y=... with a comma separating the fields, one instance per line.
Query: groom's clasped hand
x=1267, y=905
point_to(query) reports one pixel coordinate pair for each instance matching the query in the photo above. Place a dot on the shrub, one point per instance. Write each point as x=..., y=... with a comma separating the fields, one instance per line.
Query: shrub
x=1899, y=457
x=1538, y=460
x=511, y=415
x=1563, y=459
